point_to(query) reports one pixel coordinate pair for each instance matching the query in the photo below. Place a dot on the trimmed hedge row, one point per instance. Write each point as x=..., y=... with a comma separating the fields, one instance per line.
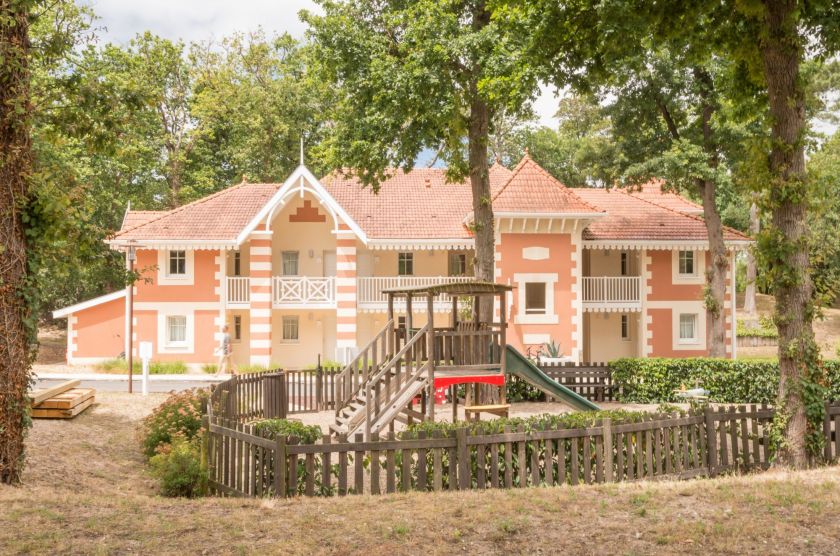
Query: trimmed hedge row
x=654, y=380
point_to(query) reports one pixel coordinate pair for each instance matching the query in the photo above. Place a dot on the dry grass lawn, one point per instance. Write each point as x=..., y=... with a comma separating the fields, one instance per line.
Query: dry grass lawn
x=86, y=491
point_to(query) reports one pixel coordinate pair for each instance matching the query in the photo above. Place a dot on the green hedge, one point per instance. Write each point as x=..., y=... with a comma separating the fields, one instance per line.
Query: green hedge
x=654, y=380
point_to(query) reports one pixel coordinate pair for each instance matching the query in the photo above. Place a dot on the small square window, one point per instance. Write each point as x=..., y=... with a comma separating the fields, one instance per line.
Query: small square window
x=237, y=263
x=291, y=329
x=237, y=327
x=535, y=298
x=686, y=263
x=688, y=328
x=457, y=264
x=290, y=263
x=176, y=329
x=625, y=327
x=177, y=263
x=405, y=264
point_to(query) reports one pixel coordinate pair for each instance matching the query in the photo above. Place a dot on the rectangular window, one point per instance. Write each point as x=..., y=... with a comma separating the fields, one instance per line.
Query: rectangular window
x=405, y=264
x=291, y=329
x=457, y=264
x=400, y=322
x=688, y=328
x=686, y=263
x=535, y=298
x=625, y=263
x=237, y=327
x=290, y=263
x=177, y=263
x=237, y=263
x=625, y=327
x=176, y=329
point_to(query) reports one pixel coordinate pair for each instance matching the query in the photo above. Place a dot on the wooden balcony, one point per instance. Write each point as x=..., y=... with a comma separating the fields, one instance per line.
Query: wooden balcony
x=612, y=293
x=287, y=292
x=371, y=298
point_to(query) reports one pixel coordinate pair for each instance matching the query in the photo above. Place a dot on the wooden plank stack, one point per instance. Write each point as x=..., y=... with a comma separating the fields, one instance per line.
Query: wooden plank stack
x=63, y=401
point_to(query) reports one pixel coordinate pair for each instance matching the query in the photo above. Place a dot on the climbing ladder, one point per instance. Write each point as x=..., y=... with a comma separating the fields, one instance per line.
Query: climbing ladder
x=380, y=382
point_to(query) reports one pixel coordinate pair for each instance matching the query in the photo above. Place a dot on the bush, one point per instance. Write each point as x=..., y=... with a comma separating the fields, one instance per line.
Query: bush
x=271, y=428
x=155, y=367
x=766, y=329
x=654, y=380
x=178, y=417
x=178, y=467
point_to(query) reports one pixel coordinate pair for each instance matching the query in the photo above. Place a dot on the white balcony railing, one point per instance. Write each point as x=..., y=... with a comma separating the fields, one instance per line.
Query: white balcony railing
x=238, y=290
x=303, y=291
x=370, y=289
x=612, y=292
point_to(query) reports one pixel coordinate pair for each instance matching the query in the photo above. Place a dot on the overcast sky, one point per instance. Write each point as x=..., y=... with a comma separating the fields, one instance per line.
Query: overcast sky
x=196, y=20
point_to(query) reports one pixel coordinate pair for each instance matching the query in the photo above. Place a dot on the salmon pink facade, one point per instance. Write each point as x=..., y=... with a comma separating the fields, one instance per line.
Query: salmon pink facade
x=297, y=270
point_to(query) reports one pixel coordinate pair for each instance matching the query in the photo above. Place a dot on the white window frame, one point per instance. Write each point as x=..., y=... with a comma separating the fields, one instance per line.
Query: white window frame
x=283, y=256
x=550, y=316
x=166, y=279
x=409, y=260
x=455, y=256
x=283, y=320
x=695, y=318
x=537, y=311
x=164, y=345
x=624, y=328
x=237, y=262
x=698, y=277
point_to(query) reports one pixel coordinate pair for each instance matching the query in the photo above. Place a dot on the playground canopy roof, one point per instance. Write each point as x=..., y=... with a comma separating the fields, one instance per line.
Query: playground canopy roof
x=457, y=288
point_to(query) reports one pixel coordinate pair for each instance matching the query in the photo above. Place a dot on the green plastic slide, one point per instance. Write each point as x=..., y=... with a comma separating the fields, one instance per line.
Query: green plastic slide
x=519, y=365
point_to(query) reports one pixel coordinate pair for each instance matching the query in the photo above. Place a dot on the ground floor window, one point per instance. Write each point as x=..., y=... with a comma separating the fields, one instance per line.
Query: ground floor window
x=535, y=298
x=688, y=328
x=291, y=328
x=176, y=329
x=625, y=327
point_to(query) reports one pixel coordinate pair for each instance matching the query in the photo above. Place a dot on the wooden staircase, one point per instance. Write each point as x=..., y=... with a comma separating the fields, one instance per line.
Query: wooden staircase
x=380, y=382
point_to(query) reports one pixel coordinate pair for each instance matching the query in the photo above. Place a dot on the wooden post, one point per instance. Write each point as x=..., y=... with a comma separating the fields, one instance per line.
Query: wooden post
x=454, y=394
x=368, y=410
x=432, y=357
x=392, y=349
x=205, y=446
x=608, y=450
x=454, y=312
x=502, y=331
x=319, y=386
x=827, y=432
x=711, y=441
x=280, y=466
x=463, y=455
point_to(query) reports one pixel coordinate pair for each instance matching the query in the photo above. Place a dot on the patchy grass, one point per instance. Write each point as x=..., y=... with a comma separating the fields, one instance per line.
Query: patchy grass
x=87, y=491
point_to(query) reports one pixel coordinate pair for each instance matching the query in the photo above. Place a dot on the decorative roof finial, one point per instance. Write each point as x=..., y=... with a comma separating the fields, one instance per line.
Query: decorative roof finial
x=301, y=150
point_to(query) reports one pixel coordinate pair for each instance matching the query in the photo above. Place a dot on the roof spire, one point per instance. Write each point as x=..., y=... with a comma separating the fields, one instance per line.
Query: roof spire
x=301, y=150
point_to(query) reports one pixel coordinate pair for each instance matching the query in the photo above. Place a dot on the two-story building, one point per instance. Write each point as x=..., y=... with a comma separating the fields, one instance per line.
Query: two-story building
x=298, y=269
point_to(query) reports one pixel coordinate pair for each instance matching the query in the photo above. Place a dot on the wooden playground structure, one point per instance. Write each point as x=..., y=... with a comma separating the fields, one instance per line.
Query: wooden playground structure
x=401, y=363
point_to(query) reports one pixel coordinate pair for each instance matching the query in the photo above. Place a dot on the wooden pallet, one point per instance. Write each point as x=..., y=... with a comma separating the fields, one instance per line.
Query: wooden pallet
x=40, y=413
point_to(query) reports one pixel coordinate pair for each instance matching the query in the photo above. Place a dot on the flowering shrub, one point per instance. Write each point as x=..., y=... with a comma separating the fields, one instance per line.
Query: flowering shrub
x=179, y=416
x=178, y=467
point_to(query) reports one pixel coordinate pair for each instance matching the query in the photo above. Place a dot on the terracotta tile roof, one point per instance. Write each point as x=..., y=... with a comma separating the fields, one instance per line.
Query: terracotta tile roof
x=632, y=218
x=652, y=191
x=220, y=216
x=531, y=189
x=419, y=204
x=136, y=217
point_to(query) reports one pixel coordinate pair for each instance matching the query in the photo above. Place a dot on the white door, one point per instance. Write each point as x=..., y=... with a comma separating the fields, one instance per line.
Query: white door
x=329, y=263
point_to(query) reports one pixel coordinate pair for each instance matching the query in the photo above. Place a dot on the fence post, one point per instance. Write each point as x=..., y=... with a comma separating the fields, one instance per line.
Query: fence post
x=274, y=399
x=280, y=466
x=463, y=455
x=319, y=386
x=711, y=441
x=205, y=446
x=608, y=450
x=827, y=432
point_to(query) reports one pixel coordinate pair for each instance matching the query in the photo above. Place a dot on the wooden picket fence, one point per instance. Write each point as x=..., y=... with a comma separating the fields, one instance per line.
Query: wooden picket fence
x=593, y=381
x=717, y=440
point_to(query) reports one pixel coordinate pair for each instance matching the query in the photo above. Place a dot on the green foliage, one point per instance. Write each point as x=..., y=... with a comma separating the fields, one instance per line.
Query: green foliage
x=155, y=367
x=305, y=434
x=766, y=329
x=178, y=417
x=517, y=390
x=655, y=380
x=179, y=469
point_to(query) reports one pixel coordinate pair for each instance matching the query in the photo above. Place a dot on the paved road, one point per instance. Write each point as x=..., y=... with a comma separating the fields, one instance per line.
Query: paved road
x=122, y=385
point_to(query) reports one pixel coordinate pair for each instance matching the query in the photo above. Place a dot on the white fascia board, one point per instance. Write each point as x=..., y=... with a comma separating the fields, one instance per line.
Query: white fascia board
x=454, y=243
x=194, y=244
x=67, y=311
x=555, y=215
x=701, y=245
x=301, y=172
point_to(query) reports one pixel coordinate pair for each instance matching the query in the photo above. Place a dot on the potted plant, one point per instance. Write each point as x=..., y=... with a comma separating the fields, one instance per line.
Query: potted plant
x=552, y=354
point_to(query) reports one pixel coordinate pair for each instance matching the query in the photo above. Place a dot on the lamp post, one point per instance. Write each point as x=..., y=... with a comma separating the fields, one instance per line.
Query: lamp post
x=132, y=256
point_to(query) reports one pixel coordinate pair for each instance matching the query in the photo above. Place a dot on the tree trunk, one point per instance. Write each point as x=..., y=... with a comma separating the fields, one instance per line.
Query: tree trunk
x=781, y=51
x=715, y=274
x=750, y=309
x=15, y=170
x=483, y=224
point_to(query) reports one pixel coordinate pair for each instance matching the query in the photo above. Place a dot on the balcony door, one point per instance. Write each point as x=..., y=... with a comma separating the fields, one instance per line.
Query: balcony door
x=329, y=263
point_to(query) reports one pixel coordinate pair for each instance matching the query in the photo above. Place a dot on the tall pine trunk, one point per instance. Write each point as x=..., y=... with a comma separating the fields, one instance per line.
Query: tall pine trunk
x=15, y=170
x=781, y=51
x=750, y=308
